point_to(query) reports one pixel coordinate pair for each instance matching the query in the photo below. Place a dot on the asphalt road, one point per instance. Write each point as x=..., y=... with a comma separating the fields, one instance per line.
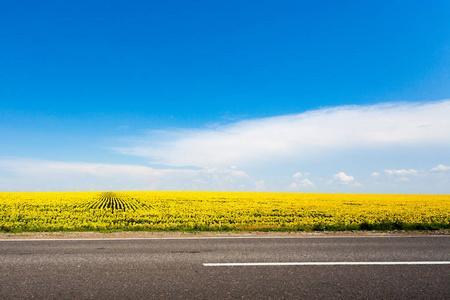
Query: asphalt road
x=175, y=268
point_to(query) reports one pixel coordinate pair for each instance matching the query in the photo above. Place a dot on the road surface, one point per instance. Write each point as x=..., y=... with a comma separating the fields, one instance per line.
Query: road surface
x=415, y=267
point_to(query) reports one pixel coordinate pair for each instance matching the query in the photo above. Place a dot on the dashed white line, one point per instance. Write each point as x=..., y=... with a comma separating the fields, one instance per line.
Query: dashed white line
x=327, y=263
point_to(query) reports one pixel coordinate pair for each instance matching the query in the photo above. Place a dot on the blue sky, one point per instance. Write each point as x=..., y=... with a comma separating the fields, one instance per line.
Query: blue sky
x=297, y=96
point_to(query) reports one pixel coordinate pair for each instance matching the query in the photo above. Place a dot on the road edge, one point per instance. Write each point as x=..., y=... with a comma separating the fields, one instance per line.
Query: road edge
x=209, y=234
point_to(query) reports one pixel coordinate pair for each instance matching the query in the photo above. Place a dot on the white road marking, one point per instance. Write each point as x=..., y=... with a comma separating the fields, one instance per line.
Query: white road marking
x=12, y=239
x=327, y=263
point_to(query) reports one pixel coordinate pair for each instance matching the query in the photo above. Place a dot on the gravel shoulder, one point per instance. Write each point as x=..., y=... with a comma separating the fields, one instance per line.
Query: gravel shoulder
x=146, y=234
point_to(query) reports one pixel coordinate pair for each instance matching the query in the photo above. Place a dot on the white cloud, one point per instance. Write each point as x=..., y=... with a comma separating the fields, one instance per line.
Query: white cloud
x=307, y=182
x=299, y=182
x=343, y=178
x=18, y=174
x=297, y=175
x=265, y=154
x=43, y=168
x=440, y=168
x=303, y=183
x=28, y=174
x=298, y=137
x=401, y=172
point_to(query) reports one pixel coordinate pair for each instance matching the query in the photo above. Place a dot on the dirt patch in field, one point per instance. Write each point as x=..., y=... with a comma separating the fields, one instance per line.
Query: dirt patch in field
x=146, y=234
